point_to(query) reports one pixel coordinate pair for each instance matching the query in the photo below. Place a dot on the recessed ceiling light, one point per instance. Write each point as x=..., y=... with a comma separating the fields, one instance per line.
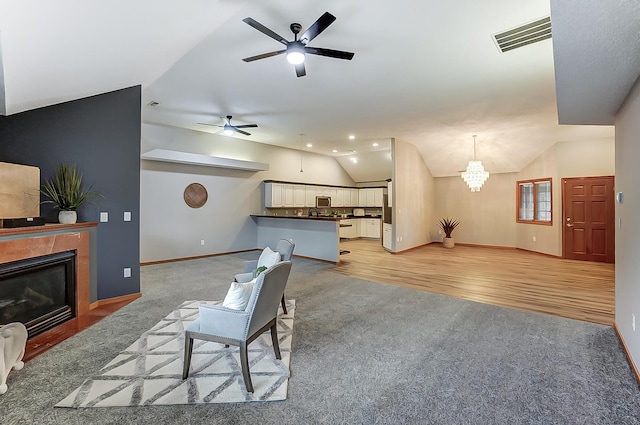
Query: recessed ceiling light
x=354, y=160
x=375, y=144
x=351, y=137
x=335, y=151
x=309, y=145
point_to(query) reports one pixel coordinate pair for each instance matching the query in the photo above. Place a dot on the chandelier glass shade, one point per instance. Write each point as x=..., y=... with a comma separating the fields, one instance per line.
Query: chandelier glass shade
x=475, y=175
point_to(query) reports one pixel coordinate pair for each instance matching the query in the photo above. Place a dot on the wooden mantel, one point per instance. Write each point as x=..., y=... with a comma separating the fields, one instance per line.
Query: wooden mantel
x=35, y=241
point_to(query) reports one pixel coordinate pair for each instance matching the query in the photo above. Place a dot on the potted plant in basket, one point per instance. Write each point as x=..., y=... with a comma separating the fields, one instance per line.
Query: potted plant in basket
x=66, y=192
x=448, y=225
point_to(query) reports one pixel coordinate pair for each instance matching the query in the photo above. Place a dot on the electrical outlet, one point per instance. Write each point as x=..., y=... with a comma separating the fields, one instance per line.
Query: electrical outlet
x=127, y=216
x=104, y=217
x=619, y=222
x=202, y=242
x=127, y=272
x=534, y=238
x=633, y=322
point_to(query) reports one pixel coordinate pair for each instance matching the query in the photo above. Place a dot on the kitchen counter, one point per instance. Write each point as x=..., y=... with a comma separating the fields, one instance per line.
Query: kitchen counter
x=298, y=217
x=322, y=217
x=316, y=238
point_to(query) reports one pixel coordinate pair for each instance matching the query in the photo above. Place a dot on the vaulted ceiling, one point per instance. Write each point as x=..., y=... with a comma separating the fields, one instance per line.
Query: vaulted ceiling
x=428, y=73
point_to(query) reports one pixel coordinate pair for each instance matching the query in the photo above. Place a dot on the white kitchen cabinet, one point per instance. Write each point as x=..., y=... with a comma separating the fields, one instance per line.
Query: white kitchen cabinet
x=338, y=201
x=377, y=197
x=347, y=228
x=367, y=198
x=353, y=195
x=310, y=196
x=390, y=194
x=387, y=236
x=299, y=196
x=273, y=195
x=287, y=199
x=373, y=228
x=360, y=227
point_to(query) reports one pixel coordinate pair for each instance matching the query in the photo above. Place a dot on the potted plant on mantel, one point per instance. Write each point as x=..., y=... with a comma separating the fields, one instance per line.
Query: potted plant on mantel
x=448, y=225
x=66, y=192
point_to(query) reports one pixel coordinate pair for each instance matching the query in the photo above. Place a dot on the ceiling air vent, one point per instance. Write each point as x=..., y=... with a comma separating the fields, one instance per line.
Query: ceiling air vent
x=525, y=34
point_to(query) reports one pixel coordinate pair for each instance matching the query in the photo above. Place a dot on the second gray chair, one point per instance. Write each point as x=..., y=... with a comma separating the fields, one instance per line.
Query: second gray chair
x=241, y=327
x=285, y=248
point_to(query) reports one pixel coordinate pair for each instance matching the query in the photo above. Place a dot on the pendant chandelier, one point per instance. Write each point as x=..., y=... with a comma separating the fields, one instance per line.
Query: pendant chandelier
x=475, y=174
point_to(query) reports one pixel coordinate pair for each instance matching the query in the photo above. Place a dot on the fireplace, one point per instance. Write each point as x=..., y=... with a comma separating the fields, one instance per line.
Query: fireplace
x=39, y=292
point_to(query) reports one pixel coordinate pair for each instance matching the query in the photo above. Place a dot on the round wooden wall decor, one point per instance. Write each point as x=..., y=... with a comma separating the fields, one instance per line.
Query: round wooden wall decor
x=195, y=195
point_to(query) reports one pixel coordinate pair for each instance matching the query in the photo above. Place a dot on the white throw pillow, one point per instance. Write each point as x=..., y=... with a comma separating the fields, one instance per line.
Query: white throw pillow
x=268, y=258
x=238, y=295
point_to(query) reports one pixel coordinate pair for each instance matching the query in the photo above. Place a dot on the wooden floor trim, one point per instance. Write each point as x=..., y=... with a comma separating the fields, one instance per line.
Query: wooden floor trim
x=197, y=257
x=636, y=372
x=120, y=299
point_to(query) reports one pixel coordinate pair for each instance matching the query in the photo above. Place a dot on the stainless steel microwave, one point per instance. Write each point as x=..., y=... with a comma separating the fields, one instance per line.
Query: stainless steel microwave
x=323, y=201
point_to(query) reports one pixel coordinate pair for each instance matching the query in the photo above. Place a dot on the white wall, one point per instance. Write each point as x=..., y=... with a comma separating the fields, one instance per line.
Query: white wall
x=170, y=229
x=628, y=236
x=414, y=198
x=486, y=217
x=563, y=160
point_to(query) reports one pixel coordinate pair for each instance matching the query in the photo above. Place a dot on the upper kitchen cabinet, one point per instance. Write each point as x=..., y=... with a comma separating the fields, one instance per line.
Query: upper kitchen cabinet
x=273, y=195
x=310, y=196
x=355, y=198
x=299, y=196
x=371, y=197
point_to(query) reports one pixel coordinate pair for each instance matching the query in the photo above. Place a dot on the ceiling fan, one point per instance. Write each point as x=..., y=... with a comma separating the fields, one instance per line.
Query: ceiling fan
x=297, y=48
x=228, y=129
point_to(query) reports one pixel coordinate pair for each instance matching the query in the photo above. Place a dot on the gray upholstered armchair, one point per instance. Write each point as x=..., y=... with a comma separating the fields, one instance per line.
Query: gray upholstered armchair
x=241, y=327
x=285, y=248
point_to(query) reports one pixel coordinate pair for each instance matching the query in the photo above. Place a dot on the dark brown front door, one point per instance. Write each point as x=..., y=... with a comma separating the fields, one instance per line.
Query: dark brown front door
x=588, y=219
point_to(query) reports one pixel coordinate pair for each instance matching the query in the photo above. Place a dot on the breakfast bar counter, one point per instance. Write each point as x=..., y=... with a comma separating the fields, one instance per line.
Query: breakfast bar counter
x=317, y=238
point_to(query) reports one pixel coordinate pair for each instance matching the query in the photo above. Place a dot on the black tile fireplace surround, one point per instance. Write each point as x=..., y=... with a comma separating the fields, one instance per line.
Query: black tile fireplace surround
x=39, y=291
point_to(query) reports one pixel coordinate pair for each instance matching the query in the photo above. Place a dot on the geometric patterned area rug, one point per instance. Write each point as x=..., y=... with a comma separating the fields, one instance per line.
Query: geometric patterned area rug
x=149, y=371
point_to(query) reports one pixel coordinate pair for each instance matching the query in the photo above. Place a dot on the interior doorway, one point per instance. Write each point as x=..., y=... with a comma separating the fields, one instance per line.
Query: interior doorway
x=588, y=211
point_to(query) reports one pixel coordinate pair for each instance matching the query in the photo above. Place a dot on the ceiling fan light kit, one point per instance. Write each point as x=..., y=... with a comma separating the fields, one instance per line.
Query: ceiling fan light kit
x=475, y=175
x=297, y=49
x=229, y=130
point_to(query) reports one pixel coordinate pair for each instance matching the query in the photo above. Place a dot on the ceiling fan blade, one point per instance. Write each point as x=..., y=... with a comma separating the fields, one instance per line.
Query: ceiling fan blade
x=246, y=126
x=338, y=54
x=318, y=26
x=300, y=71
x=242, y=132
x=257, y=25
x=212, y=125
x=263, y=56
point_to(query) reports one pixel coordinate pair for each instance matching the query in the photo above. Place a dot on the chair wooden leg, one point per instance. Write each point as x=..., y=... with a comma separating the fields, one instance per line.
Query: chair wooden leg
x=244, y=364
x=274, y=340
x=284, y=305
x=188, y=347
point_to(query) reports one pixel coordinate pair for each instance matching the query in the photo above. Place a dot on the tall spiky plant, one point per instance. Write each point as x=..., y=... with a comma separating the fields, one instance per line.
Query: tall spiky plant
x=448, y=225
x=65, y=189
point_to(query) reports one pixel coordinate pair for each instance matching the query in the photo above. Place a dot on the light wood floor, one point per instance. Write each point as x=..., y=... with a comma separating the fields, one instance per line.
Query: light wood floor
x=505, y=277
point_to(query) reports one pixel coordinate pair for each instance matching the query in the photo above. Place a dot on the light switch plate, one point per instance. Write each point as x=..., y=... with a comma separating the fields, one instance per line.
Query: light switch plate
x=127, y=216
x=127, y=272
x=104, y=217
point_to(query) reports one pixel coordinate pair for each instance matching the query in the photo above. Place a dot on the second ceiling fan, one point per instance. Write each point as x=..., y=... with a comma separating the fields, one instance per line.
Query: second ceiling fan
x=297, y=48
x=228, y=129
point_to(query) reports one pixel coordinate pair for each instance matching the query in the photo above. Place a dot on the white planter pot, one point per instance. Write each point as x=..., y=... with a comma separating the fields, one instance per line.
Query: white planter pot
x=67, y=217
x=448, y=242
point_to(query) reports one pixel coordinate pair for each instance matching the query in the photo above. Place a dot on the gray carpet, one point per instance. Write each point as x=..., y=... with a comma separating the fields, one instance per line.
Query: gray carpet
x=363, y=353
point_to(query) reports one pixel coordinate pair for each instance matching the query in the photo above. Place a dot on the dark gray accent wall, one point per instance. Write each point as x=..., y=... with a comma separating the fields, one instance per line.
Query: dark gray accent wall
x=101, y=135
